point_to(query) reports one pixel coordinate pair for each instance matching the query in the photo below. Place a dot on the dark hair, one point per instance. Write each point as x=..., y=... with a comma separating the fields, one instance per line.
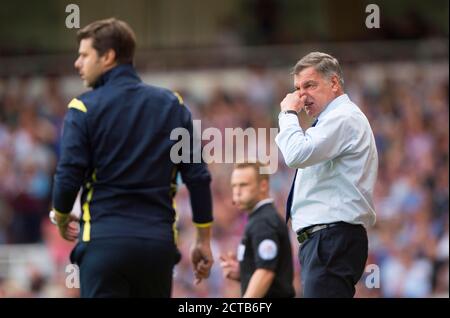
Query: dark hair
x=111, y=34
x=256, y=166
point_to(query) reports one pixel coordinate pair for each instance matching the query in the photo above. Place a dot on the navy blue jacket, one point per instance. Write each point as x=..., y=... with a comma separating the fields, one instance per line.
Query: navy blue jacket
x=116, y=145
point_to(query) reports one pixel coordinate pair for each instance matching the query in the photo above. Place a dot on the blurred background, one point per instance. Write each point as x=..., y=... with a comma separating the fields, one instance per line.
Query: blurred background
x=231, y=62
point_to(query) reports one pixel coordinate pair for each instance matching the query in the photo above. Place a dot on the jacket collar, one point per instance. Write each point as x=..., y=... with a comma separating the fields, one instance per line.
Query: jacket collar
x=120, y=71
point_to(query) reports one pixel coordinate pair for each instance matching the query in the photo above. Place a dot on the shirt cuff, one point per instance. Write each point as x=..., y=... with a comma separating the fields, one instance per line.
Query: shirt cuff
x=288, y=120
x=203, y=225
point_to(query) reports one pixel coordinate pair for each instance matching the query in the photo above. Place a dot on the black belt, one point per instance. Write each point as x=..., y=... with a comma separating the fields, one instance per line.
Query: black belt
x=306, y=232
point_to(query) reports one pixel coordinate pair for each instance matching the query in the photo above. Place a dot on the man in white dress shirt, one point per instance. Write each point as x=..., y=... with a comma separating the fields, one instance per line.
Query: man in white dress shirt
x=336, y=162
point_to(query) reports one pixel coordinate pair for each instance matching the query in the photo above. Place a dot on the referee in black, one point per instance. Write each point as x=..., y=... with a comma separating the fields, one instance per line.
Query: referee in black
x=264, y=258
x=116, y=145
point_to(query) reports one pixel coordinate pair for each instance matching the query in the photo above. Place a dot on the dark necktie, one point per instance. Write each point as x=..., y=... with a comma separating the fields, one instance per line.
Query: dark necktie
x=291, y=191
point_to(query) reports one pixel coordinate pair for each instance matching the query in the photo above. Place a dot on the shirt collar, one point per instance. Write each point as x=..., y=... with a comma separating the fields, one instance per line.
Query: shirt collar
x=333, y=104
x=261, y=203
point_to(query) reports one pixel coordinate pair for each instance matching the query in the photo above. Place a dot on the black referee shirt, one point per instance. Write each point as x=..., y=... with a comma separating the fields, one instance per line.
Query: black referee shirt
x=266, y=244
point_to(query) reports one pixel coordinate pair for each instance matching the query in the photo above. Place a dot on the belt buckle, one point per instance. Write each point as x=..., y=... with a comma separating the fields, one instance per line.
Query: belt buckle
x=302, y=237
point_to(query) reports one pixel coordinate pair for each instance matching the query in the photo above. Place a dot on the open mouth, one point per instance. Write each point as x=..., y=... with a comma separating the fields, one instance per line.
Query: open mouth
x=308, y=105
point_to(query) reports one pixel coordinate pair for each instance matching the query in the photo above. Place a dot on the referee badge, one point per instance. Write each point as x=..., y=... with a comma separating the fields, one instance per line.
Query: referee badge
x=240, y=252
x=267, y=250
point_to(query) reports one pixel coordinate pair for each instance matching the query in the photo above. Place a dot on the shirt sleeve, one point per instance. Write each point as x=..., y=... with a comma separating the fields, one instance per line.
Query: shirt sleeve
x=197, y=178
x=265, y=244
x=73, y=162
x=332, y=137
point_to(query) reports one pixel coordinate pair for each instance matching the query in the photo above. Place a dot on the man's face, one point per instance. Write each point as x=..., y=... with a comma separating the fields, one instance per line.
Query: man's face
x=315, y=90
x=88, y=63
x=245, y=187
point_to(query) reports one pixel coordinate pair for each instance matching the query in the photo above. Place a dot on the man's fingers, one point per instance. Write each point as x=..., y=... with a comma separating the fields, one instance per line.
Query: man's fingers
x=203, y=268
x=204, y=261
x=70, y=231
x=227, y=274
x=71, y=238
x=71, y=235
x=224, y=264
x=73, y=229
x=199, y=275
x=227, y=257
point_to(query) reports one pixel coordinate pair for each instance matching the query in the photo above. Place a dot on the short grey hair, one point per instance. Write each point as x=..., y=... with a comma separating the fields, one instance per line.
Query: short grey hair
x=323, y=63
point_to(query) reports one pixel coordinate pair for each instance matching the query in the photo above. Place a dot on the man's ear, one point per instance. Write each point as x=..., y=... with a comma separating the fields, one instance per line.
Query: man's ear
x=109, y=58
x=264, y=185
x=335, y=83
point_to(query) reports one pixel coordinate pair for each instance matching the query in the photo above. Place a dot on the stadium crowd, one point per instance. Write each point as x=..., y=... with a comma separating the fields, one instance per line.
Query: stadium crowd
x=406, y=103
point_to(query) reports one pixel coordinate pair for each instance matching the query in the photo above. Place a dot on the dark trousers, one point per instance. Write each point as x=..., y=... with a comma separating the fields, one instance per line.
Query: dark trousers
x=125, y=267
x=332, y=261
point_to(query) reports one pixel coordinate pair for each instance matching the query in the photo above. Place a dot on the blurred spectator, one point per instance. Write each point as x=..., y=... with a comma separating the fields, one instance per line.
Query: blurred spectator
x=406, y=104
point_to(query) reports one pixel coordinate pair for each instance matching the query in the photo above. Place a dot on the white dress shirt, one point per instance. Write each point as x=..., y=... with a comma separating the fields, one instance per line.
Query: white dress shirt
x=337, y=164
